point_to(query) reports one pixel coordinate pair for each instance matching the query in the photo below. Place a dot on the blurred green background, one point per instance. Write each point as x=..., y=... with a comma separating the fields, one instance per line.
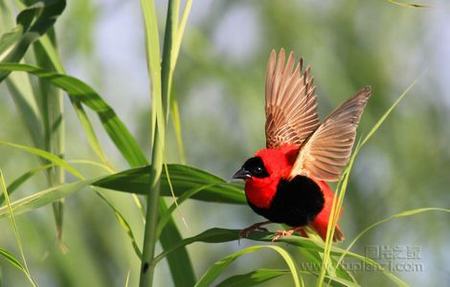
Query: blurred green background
x=219, y=82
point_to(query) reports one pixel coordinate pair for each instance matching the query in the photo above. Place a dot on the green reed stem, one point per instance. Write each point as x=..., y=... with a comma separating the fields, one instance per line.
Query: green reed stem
x=158, y=134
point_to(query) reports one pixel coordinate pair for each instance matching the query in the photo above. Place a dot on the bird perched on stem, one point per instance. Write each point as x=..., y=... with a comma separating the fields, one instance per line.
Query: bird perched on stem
x=286, y=182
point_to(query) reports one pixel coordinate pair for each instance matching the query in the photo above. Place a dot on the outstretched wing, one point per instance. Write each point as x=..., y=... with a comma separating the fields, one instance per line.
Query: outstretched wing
x=291, y=108
x=326, y=152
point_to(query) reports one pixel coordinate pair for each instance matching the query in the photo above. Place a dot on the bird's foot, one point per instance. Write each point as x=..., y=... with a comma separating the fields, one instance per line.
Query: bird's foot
x=285, y=233
x=255, y=227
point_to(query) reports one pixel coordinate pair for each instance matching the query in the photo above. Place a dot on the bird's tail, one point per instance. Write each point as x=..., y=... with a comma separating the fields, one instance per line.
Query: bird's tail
x=320, y=223
x=321, y=229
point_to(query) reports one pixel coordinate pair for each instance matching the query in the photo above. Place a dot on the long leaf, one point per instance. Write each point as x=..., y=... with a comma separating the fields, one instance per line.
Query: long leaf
x=217, y=268
x=219, y=235
x=51, y=195
x=253, y=278
x=22, y=179
x=32, y=23
x=115, y=128
x=158, y=134
x=53, y=57
x=405, y=213
x=52, y=111
x=183, y=178
x=46, y=155
x=20, y=90
x=44, y=197
x=15, y=229
x=342, y=188
x=408, y=4
x=12, y=260
x=61, y=191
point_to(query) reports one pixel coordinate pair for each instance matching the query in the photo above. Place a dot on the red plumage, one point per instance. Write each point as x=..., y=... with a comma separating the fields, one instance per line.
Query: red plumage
x=279, y=163
x=286, y=182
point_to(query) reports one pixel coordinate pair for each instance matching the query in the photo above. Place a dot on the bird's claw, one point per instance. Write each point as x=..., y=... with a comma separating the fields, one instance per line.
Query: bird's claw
x=285, y=233
x=282, y=233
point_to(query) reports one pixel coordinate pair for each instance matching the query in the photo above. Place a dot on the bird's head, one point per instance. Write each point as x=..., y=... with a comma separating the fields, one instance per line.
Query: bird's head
x=268, y=163
x=262, y=174
x=252, y=168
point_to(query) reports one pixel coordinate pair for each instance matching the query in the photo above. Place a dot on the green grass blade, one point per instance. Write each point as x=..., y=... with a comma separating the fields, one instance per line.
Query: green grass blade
x=52, y=195
x=115, y=128
x=181, y=28
x=44, y=197
x=124, y=223
x=168, y=62
x=338, y=199
x=217, y=268
x=80, y=91
x=183, y=178
x=406, y=213
x=262, y=275
x=180, y=265
x=51, y=53
x=179, y=262
x=13, y=186
x=174, y=205
x=53, y=57
x=253, y=278
x=166, y=216
x=220, y=235
x=15, y=230
x=176, y=121
x=100, y=165
x=12, y=260
x=157, y=132
x=56, y=160
x=52, y=111
x=153, y=61
x=48, y=51
x=92, y=138
x=32, y=22
x=314, y=257
x=342, y=187
x=388, y=112
x=20, y=89
x=408, y=4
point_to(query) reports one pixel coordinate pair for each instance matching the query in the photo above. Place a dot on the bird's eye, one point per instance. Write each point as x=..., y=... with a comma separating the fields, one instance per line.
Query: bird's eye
x=256, y=167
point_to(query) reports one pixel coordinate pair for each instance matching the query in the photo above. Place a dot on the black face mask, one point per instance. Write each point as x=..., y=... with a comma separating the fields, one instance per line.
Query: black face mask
x=253, y=167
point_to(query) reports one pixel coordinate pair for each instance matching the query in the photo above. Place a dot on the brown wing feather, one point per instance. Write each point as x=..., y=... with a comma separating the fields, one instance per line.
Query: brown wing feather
x=327, y=151
x=291, y=108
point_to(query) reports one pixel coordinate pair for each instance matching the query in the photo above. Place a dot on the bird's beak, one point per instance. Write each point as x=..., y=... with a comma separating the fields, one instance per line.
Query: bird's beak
x=242, y=174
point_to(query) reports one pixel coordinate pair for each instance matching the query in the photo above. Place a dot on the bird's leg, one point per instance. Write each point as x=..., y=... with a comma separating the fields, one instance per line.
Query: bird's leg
x=257, y=226
x=284, y=233
x=302, y=232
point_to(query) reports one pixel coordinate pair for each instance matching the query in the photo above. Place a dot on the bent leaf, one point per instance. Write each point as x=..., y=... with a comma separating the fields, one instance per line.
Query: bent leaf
x=46, y=155
x=32, y=23
x=219, y=235
x=44, y=197
x=253, y=278
x=12, y=260
x=80, y=91
x=183, y=178
x=222, y=264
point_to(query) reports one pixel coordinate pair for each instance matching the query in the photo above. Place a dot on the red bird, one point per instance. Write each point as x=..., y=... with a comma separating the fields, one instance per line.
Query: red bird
x=286, y=182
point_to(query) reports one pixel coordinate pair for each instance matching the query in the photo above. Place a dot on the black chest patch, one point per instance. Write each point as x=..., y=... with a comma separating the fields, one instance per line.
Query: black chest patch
x=296, y=202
